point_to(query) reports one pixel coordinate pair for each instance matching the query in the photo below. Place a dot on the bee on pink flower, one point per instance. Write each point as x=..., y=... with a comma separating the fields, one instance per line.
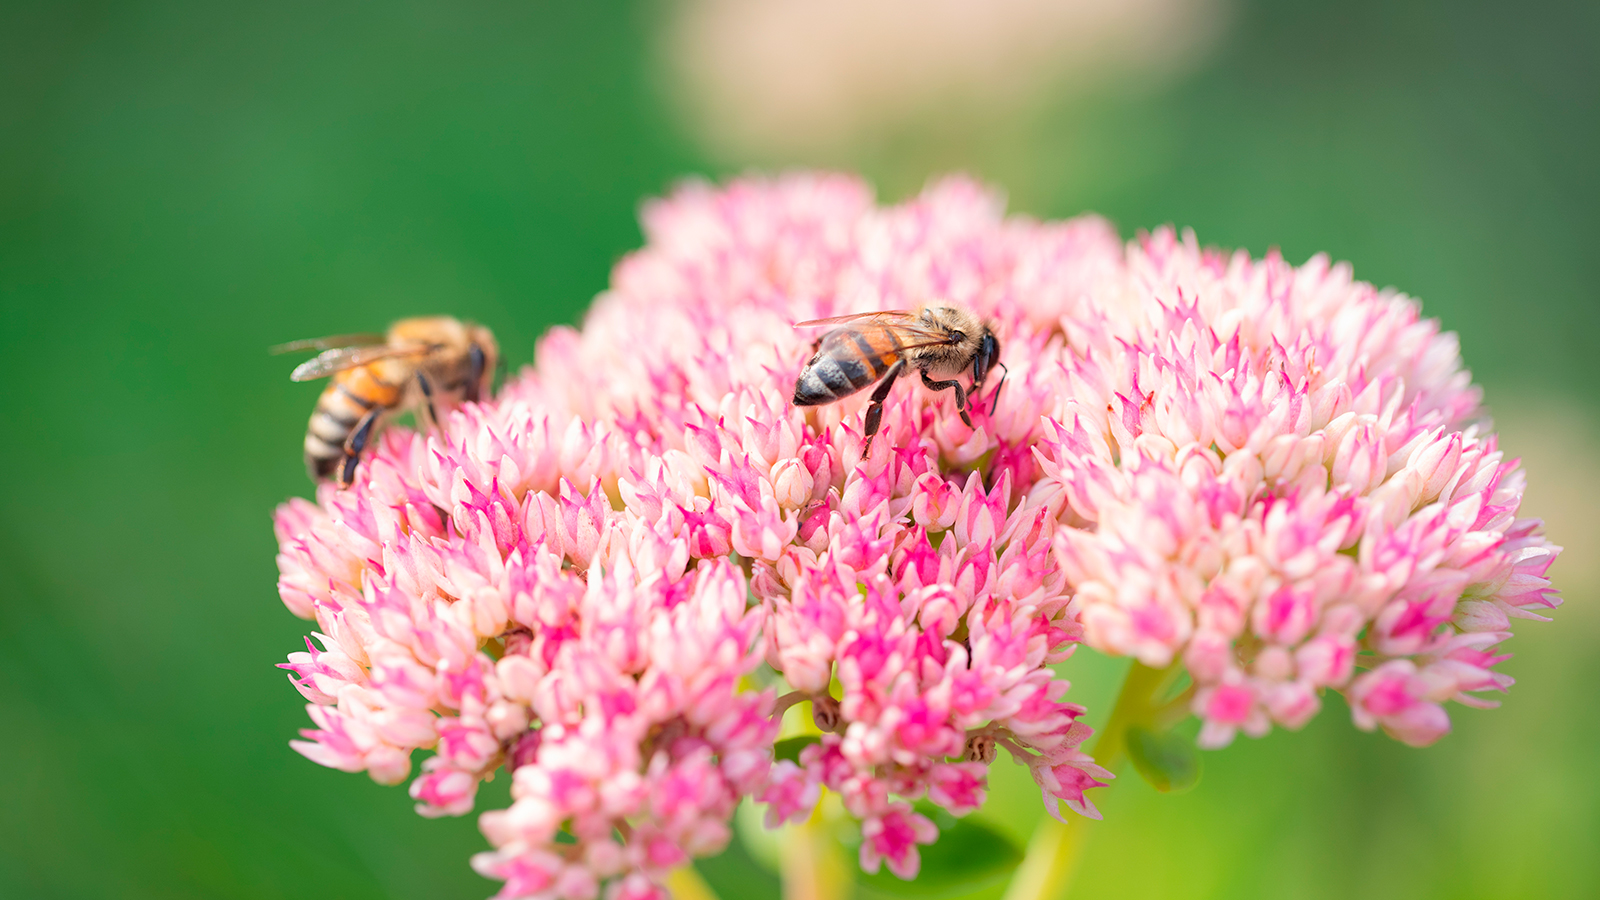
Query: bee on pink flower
x=608, y=582
x=879, y=347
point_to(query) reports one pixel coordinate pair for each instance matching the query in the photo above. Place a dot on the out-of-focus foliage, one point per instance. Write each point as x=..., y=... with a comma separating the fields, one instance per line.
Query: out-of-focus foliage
x=183, y=184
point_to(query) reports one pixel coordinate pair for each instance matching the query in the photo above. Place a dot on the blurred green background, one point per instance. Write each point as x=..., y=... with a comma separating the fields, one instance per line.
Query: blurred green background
x=183, y=184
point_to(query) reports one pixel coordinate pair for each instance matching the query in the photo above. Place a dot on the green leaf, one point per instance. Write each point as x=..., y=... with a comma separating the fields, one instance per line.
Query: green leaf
x=969, y=855
x=789, y=748
x=1166, y=759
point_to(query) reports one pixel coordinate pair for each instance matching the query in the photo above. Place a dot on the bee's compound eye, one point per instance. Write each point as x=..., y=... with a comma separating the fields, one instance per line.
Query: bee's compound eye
x=988, y=352
x=475, y=378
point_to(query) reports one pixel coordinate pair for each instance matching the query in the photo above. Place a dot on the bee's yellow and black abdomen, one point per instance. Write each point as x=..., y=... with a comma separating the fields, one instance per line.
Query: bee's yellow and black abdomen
x=344, y=402
x=847, y=361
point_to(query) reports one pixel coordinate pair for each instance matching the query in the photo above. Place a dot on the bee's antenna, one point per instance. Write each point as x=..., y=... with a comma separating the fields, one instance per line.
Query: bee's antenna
x=994, y=398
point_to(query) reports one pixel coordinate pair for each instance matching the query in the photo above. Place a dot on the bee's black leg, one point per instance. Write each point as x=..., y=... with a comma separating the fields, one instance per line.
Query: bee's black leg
x=994, y=399
x=875, y=410
x=961, y=394
x=355, y=444
x=347, y=470
x=427, y=394
x=359, y=435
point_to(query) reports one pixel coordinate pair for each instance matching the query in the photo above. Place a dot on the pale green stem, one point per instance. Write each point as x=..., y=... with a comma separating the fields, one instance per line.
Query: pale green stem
x=1054, y=850
x=811, y=863
x=686, y=884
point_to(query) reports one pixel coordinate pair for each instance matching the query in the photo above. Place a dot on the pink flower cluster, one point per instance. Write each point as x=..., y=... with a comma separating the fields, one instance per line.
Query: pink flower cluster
x=1275, y=475
x=551, y=635
x=1260, y=471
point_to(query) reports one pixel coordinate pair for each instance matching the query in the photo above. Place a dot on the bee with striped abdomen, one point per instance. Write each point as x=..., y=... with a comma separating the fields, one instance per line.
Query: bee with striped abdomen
x=428, y=364
x=881, y=346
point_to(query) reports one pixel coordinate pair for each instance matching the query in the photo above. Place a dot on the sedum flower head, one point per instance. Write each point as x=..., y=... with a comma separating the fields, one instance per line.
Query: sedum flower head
x=610, y=580
x=1281, y=477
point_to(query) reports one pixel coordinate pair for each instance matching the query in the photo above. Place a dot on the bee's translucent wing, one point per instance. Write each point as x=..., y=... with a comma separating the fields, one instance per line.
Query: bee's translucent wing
x=901, y=322
x=341, y=358
x=923, y=339
x=914, y=336
x=329, y=343
x=856, y=317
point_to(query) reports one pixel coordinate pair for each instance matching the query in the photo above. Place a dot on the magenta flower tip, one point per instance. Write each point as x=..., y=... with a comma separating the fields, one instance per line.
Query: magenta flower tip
x=1270, y=473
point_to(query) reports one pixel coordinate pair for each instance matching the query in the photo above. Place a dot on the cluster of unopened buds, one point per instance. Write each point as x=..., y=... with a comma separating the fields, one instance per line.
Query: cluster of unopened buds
x=611, y=580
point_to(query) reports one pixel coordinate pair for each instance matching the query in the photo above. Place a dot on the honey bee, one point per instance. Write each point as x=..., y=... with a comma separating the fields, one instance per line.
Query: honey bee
x=882, y=346
x=429, y=365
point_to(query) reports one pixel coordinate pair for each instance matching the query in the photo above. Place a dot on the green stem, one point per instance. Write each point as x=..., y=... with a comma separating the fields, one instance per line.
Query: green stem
x=811, y=863
x=1054, y=850
x=686, y=884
